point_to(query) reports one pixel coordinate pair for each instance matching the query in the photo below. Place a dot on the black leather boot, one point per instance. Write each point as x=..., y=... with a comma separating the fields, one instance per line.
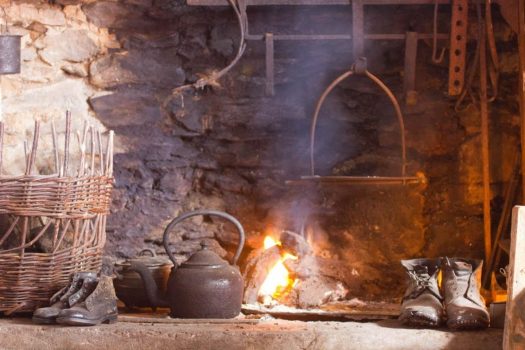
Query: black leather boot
x=464, y=304
x=80, y=286
x=99, y=307
x=422, y=304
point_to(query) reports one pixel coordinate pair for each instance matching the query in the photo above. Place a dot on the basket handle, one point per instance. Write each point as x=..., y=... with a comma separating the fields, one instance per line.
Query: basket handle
x=358, y=68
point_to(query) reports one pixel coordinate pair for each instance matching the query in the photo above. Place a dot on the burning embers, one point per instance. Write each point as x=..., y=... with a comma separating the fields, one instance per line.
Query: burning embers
x=278, y=281
x=287, y=272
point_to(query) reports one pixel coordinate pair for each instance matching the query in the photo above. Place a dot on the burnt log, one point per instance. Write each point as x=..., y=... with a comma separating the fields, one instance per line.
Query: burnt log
x=259, y=264
x=311, y=265
x=295, y=244
x=300, y=269
x=318, y=290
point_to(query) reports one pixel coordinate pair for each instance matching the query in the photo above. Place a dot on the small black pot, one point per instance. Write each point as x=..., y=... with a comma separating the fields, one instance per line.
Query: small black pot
x=129, y=287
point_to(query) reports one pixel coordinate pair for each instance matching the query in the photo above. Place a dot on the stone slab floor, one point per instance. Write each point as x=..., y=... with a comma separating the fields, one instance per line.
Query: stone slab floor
x=265, y=334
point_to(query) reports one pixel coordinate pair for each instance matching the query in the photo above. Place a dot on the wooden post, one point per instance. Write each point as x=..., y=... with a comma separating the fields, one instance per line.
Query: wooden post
x=521, y=88
x=514, y=333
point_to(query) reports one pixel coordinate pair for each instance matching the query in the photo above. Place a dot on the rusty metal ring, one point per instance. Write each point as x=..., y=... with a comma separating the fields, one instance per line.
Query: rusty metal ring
x=385, y=89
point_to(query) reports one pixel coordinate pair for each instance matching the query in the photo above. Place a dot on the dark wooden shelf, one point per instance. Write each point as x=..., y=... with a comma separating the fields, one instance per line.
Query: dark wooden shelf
x=315, y=2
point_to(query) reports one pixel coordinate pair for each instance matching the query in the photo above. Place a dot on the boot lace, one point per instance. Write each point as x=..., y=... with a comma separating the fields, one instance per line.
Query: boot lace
x=422, y=281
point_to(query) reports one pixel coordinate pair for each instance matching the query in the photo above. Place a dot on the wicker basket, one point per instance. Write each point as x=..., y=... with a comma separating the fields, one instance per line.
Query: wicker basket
x=52, y=225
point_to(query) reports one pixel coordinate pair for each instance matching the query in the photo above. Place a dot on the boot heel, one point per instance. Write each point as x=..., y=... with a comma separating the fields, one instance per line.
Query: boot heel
x=111, y=319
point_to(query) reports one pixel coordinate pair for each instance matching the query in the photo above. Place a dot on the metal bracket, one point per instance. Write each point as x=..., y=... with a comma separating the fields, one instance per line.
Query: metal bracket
x=409, y=79
x=358, y=35
x=458, y=47
x=360, y=66
x=268, y=38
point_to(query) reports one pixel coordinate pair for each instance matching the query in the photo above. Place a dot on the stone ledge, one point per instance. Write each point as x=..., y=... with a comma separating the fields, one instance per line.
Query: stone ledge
x=268, y=335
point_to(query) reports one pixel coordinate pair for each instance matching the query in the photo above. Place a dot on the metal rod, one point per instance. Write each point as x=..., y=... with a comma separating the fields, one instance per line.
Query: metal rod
x=435, y=57
x=358, y=29
x=510, y=196
x=357, y=180
x=399, y=116
x=409, y=81
x=378, y=36
x=384, y=88
x=269, y=65
x=316, y=115
x=485, y=142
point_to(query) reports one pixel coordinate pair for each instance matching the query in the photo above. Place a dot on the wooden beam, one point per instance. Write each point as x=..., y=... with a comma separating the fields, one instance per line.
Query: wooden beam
x=514, y=333
x=315, y=2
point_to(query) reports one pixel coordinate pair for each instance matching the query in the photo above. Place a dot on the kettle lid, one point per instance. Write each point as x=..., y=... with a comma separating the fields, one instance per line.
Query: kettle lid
x=204, y=258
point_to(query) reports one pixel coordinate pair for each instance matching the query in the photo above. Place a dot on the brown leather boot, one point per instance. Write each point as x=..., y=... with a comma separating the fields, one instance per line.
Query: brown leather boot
x=422, y=304
x=99, y=307
x=80, y=286
x=464, y=304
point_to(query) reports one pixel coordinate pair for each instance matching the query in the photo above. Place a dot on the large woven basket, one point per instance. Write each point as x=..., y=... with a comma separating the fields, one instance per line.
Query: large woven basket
x=53, y=225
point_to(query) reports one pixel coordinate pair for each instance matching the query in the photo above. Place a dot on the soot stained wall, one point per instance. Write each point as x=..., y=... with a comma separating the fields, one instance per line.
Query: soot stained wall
x=232, y=148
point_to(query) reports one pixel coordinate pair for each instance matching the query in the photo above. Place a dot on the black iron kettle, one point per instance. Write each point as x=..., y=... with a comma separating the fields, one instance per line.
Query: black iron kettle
x=205, y=286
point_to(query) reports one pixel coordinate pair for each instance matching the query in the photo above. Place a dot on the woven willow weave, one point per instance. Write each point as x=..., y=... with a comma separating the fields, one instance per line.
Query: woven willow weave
x=53, y=225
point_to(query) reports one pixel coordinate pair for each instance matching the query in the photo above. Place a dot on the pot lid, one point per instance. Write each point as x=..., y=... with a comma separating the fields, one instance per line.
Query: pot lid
x=150, y=261
x=205, y=258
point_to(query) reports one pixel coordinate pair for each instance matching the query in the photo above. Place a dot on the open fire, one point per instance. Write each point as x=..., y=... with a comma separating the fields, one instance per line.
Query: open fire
x=286, y=271
x=279, y=281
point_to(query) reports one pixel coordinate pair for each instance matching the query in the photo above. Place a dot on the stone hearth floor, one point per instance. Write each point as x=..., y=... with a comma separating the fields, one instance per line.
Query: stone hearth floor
x=266, y=334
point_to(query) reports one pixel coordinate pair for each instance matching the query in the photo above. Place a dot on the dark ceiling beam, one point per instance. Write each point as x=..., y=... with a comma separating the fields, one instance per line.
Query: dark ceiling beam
x=315, y=2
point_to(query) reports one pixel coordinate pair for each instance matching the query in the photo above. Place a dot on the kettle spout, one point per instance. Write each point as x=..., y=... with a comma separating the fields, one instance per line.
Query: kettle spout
x=150, y=286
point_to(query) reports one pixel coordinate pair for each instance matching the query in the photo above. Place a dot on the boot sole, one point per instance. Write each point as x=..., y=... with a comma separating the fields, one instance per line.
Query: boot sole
x=419, y=320
x=74, y=321
x=40, y=320
x=465, y=323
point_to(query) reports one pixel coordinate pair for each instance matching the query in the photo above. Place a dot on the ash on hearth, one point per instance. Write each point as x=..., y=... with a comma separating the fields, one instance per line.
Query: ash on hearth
x=287, y=272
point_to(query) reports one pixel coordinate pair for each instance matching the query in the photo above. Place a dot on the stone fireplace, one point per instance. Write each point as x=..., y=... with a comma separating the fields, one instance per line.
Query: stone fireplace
x=231, y=147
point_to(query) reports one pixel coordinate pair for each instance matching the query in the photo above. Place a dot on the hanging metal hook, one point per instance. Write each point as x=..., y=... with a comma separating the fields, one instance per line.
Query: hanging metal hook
x=435, y=58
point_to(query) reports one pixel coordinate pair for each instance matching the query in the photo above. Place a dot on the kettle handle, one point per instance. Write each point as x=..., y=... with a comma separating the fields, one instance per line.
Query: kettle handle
x=204, y=212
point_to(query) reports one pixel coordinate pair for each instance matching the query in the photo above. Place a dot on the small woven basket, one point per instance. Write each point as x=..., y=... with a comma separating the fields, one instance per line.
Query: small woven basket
x=53, y=225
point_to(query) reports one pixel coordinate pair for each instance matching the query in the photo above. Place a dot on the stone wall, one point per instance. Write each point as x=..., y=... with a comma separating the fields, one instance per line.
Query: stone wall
x=114, y=63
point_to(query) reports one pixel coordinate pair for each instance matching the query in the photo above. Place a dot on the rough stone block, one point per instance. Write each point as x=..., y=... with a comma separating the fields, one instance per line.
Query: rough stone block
x=70, y=45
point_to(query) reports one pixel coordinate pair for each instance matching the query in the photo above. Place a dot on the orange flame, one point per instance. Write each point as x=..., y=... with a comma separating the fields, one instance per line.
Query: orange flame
x=278, y=279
